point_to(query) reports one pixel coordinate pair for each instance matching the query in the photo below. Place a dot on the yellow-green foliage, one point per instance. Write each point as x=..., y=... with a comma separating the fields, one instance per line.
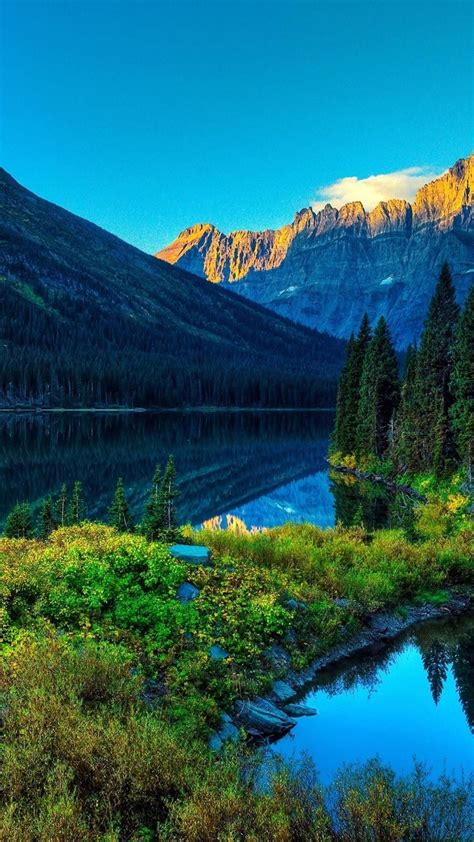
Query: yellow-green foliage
x=83, y=760
x=375, y=570
x=88, y=614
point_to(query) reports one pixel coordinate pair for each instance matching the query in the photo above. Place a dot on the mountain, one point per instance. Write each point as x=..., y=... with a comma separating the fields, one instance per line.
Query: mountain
x=327, y=267
x=86, y=319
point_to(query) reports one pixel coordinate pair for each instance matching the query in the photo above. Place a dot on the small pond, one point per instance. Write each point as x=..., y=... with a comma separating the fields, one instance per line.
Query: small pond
x=415, y=699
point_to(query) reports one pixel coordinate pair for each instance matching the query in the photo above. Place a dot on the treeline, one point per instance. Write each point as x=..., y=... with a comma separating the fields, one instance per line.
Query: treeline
x=158, y=523
x=424, y=422
x=58, y=351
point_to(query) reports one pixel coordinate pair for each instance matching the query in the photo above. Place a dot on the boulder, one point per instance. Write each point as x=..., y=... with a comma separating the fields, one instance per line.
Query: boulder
x=191, y=554
x=217, y=653
x=300, y=710
x=282, y=690
x=261, y=718
x=187, y=592
x=294, y=605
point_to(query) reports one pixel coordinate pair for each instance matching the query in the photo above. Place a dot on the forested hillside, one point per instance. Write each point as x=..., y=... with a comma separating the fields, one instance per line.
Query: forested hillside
x=87, y=319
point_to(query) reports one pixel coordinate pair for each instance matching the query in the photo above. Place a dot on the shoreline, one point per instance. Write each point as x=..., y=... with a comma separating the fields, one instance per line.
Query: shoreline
x=379, y=629
x=156, y=410
x=366, y=476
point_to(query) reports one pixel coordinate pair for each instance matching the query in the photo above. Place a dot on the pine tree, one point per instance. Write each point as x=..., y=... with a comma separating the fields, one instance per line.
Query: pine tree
x=340, y=438
x=436, y=661
x=379, y=394
x=345, y=432
x=75, y=512
x=120, y=516
x=61, y=506
x=19, y=523
x=153, y=521
x=462, y=385
x=47, y=521
x=406, y=420
x=434, y=371
x=168, y=495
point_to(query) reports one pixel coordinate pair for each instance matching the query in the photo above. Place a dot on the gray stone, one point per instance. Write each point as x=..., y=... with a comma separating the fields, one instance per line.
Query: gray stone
x=294, y=605
x=279, y=657
x=214, y=742
x=187, y=592
x=261, y=718
x=217, y=653
x=300, y=710
x=191, y=554
x=282, y=690
x=229, y=731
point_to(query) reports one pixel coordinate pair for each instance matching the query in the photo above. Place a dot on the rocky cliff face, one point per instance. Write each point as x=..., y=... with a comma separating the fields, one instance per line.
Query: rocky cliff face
x=326, y=268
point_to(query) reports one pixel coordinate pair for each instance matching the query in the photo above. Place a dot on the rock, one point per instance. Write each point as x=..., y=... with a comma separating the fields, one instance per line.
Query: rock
x=279, y=657
x=191, y=554
x=282, y=690
x=295, y=605
x=229, y=731
x=342, y=602
x=261, y=718
x=187, y=592
x=214, y=742
x=217, y=653
x=308, y=269
x=300, y=710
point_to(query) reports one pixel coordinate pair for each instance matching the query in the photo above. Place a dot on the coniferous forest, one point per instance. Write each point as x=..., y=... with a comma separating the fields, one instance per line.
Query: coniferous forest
x=423, y=421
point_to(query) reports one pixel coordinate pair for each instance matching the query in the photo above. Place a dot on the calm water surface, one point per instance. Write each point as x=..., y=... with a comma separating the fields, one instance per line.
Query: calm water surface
x=414, y=700
x=267, y=468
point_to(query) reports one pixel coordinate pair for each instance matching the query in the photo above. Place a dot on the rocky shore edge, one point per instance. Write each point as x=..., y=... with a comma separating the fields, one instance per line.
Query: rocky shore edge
x=267, y=718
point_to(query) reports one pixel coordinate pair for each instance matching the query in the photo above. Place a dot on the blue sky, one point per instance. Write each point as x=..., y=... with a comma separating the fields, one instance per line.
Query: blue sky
x=146, y=117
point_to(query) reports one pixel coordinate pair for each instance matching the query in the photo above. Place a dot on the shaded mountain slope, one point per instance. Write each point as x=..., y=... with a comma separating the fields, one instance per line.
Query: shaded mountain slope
x=88, y=318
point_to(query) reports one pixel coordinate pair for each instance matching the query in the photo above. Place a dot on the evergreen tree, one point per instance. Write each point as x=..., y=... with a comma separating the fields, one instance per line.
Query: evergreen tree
x=406, y=420
x=168, y=495
x=19, y=523
x=435, y=661
x=345, y=432
x=153, y=521
x=379, y=394
x=462, y=385
x=340, y=438
x=61, y=506
x=76, y=506
x=435, y=442
x=120, y=516
x=47, y=521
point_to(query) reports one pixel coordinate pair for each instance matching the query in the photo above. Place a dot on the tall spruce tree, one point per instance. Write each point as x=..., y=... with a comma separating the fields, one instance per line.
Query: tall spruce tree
x=76, y=509
x=119, y=513
x=19, y=523
x=168, y=495
x=62, y=506
x=462, y=385
x=435, y=441
x=153, y=521
x=340, y=438
x=379, y=394
x=47, y=520
x=348, y=396
x=406, y=418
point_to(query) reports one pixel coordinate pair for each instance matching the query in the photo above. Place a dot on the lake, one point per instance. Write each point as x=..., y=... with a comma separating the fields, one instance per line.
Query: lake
x=414, y=699
x=264, y=468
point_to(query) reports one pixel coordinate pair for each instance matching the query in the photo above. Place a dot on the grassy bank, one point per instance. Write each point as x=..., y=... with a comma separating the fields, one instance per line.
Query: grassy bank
x=109, y=689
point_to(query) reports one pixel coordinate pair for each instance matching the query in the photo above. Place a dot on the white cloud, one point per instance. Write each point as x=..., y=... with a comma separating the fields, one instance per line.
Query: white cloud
x=401, y=184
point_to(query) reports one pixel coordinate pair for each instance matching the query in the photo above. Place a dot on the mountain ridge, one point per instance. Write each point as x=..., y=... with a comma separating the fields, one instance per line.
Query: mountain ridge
x=276, y=267
x=139, y=329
